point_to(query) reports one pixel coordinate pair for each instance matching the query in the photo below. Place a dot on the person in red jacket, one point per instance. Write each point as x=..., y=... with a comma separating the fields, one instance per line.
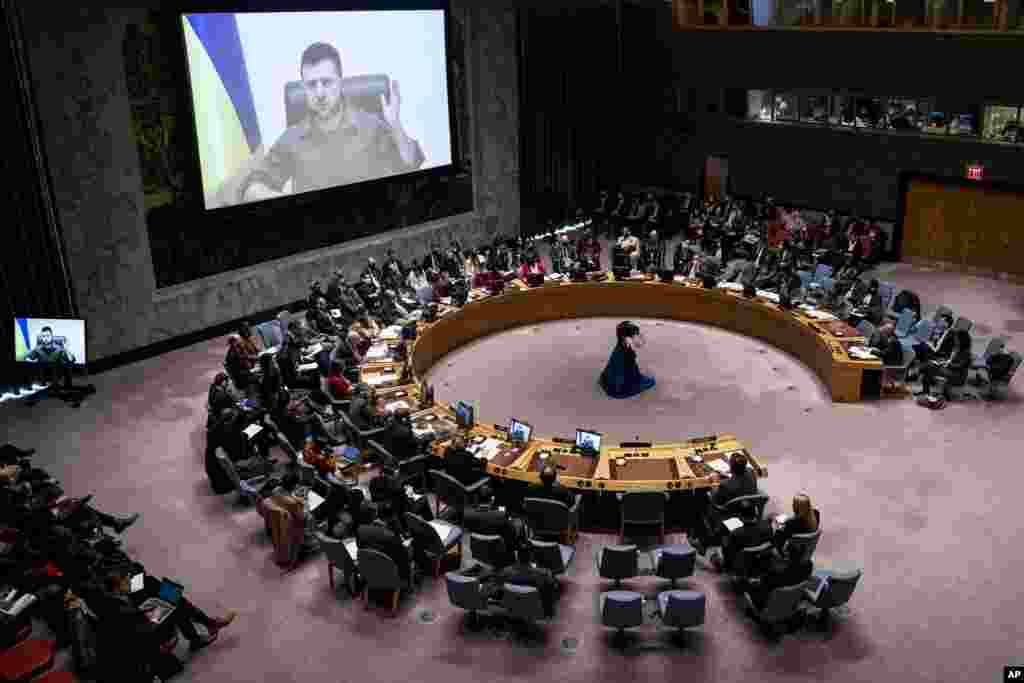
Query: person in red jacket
x=338, y=387
x=588, y=248
x=535, y=267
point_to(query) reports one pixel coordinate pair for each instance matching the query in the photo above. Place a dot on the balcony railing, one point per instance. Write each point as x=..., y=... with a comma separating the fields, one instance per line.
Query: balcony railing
x=906, y=15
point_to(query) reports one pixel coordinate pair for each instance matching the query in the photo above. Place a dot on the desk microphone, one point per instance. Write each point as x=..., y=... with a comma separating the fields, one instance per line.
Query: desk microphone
x=560, y=440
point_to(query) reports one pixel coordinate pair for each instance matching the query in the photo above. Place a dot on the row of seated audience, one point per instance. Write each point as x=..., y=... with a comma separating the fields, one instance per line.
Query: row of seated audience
x=56, y=548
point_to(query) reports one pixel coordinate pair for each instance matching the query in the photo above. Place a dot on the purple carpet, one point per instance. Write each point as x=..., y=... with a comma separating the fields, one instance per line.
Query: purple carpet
x=924, y=501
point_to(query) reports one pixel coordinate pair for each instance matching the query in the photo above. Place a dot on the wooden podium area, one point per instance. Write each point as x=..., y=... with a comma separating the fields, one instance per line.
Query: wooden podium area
x=969, y=227
x=821, y=346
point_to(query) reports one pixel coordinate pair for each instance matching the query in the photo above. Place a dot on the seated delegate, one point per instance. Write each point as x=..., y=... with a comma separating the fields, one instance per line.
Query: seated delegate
x=741, y=482
x=363, y=409
x=550, y=489
x=804, y=520
x=954, y=370
x=463, y=465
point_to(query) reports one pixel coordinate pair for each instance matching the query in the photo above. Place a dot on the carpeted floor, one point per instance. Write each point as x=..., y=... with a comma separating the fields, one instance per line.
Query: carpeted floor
x=926, y=502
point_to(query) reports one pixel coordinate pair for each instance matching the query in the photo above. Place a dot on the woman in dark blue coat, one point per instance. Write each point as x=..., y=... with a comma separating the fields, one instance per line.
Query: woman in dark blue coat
x=621, y=377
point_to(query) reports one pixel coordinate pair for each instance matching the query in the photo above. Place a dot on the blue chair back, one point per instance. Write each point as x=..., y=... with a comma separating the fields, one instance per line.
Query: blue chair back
x=886, y=292
x=828, y=284
x=805, y=278
x=822, y=271
x=922, y=331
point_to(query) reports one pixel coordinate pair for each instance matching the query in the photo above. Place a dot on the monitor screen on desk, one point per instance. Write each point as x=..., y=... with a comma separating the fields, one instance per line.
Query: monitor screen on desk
x=519, y=432
x=587, y=440
x=464, y=415
x=49, y=341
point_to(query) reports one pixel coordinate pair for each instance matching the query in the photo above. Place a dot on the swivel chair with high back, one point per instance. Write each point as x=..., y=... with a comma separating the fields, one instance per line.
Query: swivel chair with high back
x=362, y=92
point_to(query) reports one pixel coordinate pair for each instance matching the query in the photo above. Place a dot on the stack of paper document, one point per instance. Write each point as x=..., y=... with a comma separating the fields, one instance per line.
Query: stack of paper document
x=308, y=367
x=314, y=349
x=861, y=353
x=555, y=277
x=252, y=430
x=377, y=380
x=771, y=296
x=487, y=450
x=719, y=466
x=396, y=406
x=442, y=528
x=392, y=332
x=732, y=524
x=731, y=286
x=378, y=352
x=446, y=300
x=820, y=315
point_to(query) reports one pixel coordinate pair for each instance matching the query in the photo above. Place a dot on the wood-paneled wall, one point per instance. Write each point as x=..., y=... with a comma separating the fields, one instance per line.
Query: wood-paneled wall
x=973, y=227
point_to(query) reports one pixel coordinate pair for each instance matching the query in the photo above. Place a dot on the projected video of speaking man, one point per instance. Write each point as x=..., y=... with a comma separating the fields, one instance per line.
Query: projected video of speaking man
x=334, y=128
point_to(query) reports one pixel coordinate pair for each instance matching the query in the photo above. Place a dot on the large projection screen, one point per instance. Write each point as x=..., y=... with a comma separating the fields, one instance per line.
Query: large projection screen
x=273, y=116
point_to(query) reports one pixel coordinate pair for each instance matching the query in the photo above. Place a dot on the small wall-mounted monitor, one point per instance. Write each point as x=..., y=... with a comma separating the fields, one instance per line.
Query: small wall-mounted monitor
x=588, y=440
x=464, y=415
x=519, y=432
x=49, y=341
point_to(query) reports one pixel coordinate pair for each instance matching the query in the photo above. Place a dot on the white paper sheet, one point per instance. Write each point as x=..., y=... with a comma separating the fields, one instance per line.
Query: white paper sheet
x=377, y=380
x=732, y=524
x=442, y=528
x=771, y=296
x=719, y=466
x=820, y=315
x=377, y=352
x=252, y=430
x=395, y=406
x=307, y=367
x=314, y=349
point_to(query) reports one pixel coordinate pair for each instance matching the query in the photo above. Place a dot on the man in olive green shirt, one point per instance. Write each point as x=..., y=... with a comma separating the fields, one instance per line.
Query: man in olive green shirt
x=336, y=144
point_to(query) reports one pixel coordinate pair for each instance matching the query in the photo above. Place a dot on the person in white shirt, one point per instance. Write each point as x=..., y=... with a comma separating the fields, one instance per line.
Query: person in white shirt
x=417, y=281
x=631, y=246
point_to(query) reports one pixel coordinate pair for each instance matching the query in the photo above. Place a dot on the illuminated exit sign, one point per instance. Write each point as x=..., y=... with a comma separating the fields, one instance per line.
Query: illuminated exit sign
x=975, y=172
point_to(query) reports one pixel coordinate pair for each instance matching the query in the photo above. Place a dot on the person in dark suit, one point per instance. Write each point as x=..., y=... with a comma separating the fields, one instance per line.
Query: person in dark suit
x=491, y=521
x=741, y=482
x=955, y=369
x=754, y=531
x=398, y=439
x=550, y=488
x=870, y=306
x=463, y=465
x=522, y=574
x=805, y=520
x=788, y=574
x=940, y=344
x=363, y=409
x=387, y=492
x=383, y=539
x=887, y=344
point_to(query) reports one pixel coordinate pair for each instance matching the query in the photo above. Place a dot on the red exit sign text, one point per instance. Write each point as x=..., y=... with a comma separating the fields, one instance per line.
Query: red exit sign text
x=975, y=172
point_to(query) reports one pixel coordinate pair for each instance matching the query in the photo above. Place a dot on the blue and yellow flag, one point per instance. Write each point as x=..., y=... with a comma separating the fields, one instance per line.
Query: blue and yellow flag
x=22, y=345
x=226, y=121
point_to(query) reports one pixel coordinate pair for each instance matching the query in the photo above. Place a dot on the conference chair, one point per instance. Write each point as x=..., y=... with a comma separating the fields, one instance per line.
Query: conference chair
x=363, y=92
x=839, y=587
x=409, y=471
x=248, y=489
x=999, y=388
x=886, y=292
x=674, y=562
x=734, y=507
x=751, y=561
x=642, y=508
x=617, y=562
x=963, y=323
x=621, y=610
x=940, y=312
x=522, y=603
x=918, y=335
x=980, y=361
x=428, y=542
x=682, y=609
x=806, y=278
x=339, y=556
x=466, y=592
x=355, y=436
x=490, y=551
x=782, y=607
x=800, y=547
x=454, y=494
x=552, y=556
x=380, y=573
x=821, y=272
x=552, y=518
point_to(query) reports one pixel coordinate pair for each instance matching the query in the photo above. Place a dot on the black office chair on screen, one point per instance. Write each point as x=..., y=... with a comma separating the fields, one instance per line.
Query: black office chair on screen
x=361, y=92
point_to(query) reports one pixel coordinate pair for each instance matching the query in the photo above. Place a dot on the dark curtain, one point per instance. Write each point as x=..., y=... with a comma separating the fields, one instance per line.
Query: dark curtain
x=33, y=278
x=569, y=70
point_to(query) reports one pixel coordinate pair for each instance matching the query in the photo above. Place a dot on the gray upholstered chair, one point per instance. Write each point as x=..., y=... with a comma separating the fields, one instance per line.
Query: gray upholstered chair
x=553, y=519
x=642, y=508
x=489, y=550
x=837, y=592
x=674, y=562
x=427, y=541
x=358, y=438
x=782, y=607
x=682, y=609
x=617, y=562
x=999, y=388
x=752, y=561
x=522, y=602
x=340, y=557
x=994, y=346
x=248, y=489
x=552, y=556
x=735, y=507
x=450, y=491
x=621, y=610
x=380, y=455
x=467, y=593
x=963, y=323
x=800, y=547
x=380, y=573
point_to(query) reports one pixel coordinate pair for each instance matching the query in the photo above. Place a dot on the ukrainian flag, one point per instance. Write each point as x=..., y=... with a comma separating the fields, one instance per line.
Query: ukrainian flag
x=226, y=122
x=21, y=341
